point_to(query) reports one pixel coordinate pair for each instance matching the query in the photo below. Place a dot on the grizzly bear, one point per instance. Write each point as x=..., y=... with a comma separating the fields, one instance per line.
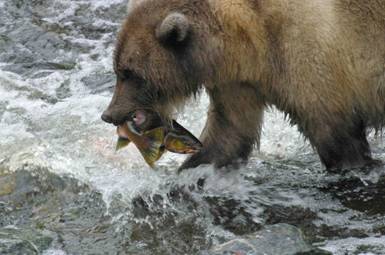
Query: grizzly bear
x=321, y=62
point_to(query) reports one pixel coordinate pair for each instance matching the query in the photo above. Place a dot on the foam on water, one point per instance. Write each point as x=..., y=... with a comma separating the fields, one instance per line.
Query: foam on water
x=349, y=245
x=54, y=252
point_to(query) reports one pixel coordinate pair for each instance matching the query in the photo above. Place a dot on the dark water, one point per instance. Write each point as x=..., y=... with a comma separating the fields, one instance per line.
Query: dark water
x=63, y=189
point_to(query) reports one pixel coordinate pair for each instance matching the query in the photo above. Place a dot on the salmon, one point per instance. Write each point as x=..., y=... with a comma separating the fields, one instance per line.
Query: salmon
x=154, y=142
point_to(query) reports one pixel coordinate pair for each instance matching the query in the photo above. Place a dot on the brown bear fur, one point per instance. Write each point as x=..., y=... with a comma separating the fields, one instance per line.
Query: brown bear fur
x=322, y=62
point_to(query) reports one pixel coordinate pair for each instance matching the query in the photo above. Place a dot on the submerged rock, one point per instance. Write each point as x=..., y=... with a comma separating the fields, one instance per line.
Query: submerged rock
x=28, y=48
x=7, y=185
x=64, y=90
x=360, y=195
x=282, y=239
x=15, y=241
x=99, y=82
x=37, y=201
x=50, y=35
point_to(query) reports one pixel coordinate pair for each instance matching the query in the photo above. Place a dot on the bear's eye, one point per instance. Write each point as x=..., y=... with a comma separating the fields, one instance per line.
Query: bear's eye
x=131, y=76
x=127, y=74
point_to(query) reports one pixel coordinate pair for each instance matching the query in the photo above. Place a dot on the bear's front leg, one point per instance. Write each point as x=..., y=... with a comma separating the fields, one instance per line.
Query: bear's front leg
x=232, y=129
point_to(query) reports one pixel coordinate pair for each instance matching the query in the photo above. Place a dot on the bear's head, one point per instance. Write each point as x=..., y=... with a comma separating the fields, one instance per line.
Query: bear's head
x=166, y=51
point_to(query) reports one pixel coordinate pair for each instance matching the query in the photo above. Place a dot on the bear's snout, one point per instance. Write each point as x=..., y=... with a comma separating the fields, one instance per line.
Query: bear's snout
x=107, y=116
x=114, y=117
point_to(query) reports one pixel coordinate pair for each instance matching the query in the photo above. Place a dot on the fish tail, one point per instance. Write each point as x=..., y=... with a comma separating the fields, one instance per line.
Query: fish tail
x=121, y=143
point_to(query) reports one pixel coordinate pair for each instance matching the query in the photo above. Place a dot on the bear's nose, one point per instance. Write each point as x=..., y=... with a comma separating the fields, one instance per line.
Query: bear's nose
x=114, y=117
x=107, y=116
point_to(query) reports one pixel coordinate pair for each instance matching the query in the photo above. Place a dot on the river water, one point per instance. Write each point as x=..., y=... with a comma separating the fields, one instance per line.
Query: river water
x=64, y=189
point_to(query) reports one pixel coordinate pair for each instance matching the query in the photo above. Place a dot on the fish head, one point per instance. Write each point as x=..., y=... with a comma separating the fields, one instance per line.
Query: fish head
x=148, y=142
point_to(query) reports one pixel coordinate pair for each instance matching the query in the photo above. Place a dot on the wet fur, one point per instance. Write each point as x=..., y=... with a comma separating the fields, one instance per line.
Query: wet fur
x=322, y=62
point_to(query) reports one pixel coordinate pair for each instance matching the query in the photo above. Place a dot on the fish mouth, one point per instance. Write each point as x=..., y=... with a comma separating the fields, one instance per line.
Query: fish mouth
x=140, y=121
x=135, y=119
x=124, y=129
x=121, y=131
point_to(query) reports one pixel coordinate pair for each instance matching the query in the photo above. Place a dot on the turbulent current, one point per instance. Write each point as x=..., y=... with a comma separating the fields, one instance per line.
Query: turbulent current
x=64, y=189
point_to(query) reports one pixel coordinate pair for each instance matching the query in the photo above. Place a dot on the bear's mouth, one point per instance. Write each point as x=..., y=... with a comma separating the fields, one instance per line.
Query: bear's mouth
x=140, y=121
x=138, y=117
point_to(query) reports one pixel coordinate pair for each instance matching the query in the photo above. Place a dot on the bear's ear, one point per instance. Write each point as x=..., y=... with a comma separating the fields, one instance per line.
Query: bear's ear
x=174, y=29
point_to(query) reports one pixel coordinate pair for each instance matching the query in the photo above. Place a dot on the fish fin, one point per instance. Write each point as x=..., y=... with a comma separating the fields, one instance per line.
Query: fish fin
x=149, y=144
x=121, y=143
x=156, y=134
x=155, y=150
x=152, y=153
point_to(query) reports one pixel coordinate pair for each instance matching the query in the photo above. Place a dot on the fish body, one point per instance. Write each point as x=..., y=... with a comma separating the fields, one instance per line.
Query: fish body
x=152, y=143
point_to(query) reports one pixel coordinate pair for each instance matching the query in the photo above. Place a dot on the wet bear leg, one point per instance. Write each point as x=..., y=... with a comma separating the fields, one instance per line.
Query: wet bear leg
x=232, y=128
x=342, y=146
